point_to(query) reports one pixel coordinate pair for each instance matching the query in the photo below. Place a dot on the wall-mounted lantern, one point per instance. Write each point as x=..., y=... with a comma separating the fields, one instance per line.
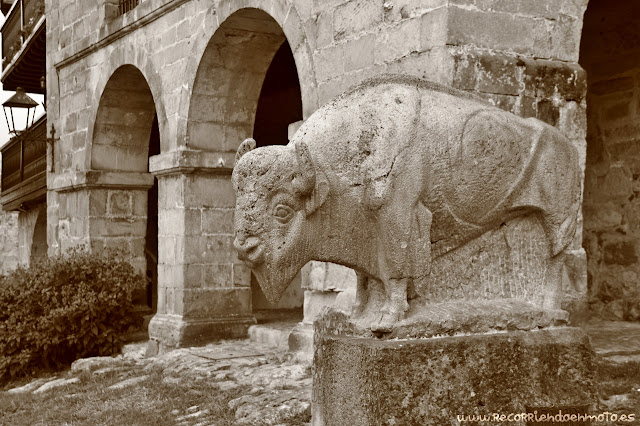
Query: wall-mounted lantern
x=20, y=101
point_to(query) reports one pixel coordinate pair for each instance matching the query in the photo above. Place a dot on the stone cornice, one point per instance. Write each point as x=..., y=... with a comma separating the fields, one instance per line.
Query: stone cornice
x=192, y=161
x=77, y=180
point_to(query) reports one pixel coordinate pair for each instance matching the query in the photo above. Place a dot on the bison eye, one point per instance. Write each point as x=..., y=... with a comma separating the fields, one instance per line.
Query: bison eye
x=283, y=213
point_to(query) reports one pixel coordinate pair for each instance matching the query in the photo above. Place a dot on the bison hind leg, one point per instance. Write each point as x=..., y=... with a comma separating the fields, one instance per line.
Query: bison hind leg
x=552, y=297
x=362, y=295
x=560, y=233
x=559, y=229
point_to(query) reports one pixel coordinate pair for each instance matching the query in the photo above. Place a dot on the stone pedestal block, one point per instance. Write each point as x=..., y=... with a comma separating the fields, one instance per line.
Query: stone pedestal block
x=367, y=381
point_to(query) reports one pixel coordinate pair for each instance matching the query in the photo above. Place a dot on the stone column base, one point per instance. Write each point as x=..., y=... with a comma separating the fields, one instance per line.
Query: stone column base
x=168, y=332
x=366, y=381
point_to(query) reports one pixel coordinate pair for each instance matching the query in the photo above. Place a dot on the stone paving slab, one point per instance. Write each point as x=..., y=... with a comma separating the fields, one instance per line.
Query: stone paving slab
x=30, y=387
x=56, y=384
x=280, y=384
x=227, y=354
x=129, y=382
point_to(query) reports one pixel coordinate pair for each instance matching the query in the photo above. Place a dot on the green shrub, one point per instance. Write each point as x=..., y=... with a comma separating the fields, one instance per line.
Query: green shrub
x=65, y=308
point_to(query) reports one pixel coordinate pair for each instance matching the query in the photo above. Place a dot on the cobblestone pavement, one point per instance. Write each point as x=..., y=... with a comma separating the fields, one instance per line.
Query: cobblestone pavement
x=279, y=383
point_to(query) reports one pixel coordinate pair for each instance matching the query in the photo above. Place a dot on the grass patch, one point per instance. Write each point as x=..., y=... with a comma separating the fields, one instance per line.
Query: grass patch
x=90, y=402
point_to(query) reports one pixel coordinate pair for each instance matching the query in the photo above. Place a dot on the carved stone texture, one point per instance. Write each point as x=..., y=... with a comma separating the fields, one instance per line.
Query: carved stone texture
x=430, y=194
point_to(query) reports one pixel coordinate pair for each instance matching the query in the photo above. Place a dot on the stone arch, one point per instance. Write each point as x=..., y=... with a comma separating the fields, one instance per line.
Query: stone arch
x=127, y=58
x=609, y=53
x=229, y=75
x=123, y=123
x=232, y=84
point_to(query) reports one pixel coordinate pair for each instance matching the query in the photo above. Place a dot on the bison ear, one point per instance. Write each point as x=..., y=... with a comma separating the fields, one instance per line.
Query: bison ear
x=318, y=196
x=246, y=146
x=314, y=186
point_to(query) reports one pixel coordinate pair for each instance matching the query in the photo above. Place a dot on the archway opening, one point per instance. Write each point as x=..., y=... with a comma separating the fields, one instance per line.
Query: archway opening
x=246, y=85
x=151, y=237
x=125, y=216
x=123, y=123
x=39, y=245
x=609, y=52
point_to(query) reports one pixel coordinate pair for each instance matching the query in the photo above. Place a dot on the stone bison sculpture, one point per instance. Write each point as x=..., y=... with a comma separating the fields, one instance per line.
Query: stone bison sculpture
x=393, y=173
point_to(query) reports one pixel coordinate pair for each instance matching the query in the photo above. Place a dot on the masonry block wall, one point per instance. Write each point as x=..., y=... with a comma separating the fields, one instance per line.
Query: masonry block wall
x=8, y=242
x=612, y=183
x=199, y=65
x=9, y=249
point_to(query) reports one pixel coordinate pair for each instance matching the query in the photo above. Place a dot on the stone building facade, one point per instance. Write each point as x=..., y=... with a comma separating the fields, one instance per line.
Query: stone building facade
x=151, y=103
x=9, y=251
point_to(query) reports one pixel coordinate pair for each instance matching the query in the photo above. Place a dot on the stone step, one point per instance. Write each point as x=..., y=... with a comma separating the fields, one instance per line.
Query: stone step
x=274, y=334
x=274, y=326
x=617, y=344
x=612, y=367
x=269, y=336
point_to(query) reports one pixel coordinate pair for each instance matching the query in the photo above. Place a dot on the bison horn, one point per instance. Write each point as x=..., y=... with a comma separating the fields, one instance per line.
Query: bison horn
x=246, y=146
x=305, y=179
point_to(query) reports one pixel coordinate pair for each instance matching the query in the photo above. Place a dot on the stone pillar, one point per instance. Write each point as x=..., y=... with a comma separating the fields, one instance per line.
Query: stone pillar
x=100, y=210
x=326, y=285
x=204, y=291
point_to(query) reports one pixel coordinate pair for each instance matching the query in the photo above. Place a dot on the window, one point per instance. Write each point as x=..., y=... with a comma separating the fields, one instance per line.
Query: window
x=126, y=5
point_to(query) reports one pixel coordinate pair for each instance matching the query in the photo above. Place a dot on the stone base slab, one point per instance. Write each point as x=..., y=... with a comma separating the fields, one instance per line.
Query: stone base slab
x=424, y=320
x=168, y=332
x=366, y=381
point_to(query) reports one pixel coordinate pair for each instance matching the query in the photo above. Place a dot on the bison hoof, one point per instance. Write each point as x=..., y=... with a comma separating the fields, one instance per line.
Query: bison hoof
x=387, y=321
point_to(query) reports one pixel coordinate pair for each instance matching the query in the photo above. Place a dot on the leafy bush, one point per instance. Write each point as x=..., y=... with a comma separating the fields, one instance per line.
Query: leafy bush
x=65, y=308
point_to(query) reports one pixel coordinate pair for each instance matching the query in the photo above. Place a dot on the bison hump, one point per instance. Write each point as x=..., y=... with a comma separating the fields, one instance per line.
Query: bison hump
x=486, y=162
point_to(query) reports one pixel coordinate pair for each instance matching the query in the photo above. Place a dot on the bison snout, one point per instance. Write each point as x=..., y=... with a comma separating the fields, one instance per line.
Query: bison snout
x=249, y=249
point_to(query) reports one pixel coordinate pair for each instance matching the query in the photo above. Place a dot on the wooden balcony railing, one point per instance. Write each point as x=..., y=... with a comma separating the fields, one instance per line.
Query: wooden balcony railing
x=126, y=5
x=19, y=24
x=25, y=157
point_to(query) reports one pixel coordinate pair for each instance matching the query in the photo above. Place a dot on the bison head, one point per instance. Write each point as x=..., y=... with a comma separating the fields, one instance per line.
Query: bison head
x=277, y=189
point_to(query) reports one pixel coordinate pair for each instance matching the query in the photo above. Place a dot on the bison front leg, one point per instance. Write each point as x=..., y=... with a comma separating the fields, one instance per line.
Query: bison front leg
x=406, y=255
x=396, y=305
x=362, y=295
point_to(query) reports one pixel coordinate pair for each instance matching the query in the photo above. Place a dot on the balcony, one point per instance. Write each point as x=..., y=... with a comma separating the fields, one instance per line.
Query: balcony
x=24, y=168
x=24, y=46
